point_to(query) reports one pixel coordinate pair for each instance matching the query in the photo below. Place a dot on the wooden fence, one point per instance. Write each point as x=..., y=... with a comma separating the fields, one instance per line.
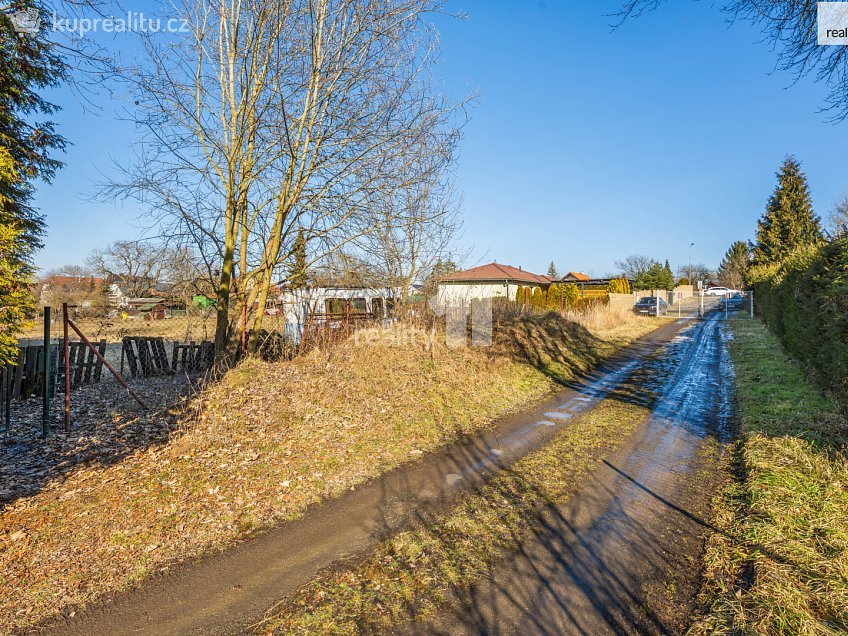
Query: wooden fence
x=25, y=378
x=146, y=356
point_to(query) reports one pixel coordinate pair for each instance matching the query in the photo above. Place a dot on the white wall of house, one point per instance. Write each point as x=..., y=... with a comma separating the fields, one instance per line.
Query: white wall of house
x=117, y=298
x=462, y=293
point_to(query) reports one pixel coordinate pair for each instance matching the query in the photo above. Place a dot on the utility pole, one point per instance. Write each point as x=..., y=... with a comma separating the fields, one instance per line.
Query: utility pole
x=691, y=282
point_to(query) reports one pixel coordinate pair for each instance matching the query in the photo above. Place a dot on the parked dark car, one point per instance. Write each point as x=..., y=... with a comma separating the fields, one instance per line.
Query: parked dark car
x=647, y=306
x=732, y=302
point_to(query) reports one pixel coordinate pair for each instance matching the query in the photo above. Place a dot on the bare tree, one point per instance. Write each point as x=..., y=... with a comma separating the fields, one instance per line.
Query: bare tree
x=694, y=272
x=634, y=266
x=275, y=119
x=72, y=271
x=790, y=26
x=137, y=266
x=838, y=219
x=416, y=224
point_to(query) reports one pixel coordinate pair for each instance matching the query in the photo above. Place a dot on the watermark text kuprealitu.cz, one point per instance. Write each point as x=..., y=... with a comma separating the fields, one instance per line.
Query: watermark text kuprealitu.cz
x=31, y=21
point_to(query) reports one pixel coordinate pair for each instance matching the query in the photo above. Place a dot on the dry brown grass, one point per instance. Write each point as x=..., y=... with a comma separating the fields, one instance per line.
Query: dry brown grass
x=261, y=446
x=611, y=322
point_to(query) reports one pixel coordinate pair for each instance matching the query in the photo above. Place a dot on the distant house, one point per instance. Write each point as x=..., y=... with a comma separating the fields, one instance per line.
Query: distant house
x=80, y=292
x=60, y=285
x=58, y=282
x=574, y=277
x=146, y=308
x=124, y=287
x=486, y=281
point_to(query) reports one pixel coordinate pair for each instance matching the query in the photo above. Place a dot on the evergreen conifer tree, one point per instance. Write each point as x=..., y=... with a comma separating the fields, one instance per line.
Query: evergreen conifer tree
x=788, y=221
x=734, y=266
x=571, y=294
x=297, y=277
x=538, y=299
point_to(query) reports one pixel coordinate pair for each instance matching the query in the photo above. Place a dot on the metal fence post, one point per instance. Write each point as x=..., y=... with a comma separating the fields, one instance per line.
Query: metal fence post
x=752, y=303
x=8, y=404
x=67, y=362
x=45, y=357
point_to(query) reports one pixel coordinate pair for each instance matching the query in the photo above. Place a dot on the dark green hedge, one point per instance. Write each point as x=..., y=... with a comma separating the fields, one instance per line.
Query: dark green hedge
x=804, y=301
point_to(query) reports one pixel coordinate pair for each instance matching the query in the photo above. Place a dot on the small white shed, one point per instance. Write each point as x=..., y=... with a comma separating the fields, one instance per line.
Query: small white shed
x=317, y=305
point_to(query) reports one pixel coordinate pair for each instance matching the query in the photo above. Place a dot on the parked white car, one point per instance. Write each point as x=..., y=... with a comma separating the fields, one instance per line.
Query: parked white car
x=720, y=291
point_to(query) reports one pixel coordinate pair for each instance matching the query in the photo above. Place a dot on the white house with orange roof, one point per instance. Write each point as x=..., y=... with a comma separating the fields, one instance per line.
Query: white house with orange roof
x=486, y=281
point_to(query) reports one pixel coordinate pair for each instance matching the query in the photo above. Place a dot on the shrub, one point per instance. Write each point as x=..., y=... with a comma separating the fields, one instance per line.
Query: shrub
x=804, y=302
x=554, y=296
x=519, y=295
x=571, y=294
x=538, y=299
x=619, y=286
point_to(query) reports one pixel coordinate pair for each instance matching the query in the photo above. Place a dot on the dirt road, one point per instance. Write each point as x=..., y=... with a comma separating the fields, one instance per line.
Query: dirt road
x=622, y=556
x=226, y=593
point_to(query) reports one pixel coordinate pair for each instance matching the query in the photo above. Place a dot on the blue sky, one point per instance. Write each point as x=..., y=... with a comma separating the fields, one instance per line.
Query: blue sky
x=585, y=144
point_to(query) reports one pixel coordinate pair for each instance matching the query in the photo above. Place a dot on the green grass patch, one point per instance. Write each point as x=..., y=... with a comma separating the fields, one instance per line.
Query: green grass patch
x=779, y=564
x=421, y=572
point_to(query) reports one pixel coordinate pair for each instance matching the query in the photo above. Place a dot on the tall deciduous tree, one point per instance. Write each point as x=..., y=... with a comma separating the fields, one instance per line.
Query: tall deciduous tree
x=789, y=221
x=274, y=116
x=734, y=266
x=135, y=266
x=690, y=274
x=414, y=225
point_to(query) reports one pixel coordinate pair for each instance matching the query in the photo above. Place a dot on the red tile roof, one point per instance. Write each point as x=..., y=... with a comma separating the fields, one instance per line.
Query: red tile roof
x=496, y=272
x=576, y=276
x=73, y=281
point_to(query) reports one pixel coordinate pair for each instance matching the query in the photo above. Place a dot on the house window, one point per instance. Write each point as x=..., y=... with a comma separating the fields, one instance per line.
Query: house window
x=341, y=306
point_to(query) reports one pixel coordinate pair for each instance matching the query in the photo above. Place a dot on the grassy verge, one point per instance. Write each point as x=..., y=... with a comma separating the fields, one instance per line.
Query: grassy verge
x=261, y=446
x=779, y=565
x=419, y=573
